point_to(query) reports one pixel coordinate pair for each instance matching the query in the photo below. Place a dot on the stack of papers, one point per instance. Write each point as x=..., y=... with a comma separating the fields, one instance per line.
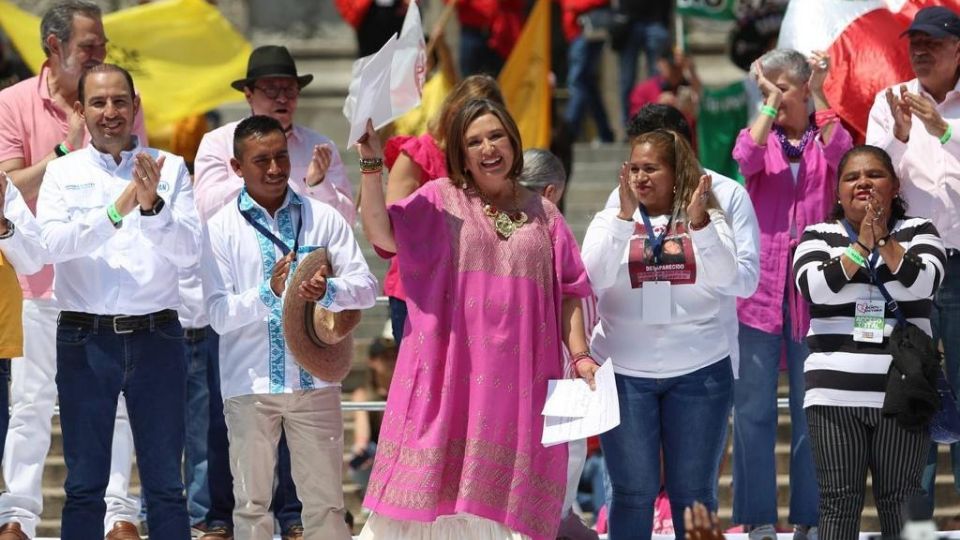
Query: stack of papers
x=573, y=411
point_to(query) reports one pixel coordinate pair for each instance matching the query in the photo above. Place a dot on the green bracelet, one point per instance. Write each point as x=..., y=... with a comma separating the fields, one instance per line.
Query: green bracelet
x=114, y=215
x=769, y=111
x=946, y=134
x=855, y=256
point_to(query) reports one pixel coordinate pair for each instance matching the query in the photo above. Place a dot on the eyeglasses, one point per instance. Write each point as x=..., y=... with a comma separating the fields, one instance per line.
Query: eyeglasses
x=273, y=92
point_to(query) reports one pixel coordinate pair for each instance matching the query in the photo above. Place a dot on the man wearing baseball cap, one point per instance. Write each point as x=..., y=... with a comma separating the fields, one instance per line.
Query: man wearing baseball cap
x=917, y=123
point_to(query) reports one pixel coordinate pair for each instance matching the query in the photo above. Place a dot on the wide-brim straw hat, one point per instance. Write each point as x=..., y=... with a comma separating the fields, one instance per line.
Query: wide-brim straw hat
x=321, y=341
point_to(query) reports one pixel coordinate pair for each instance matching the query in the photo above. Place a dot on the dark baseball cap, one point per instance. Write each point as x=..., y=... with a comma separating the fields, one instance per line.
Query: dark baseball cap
x=935, y=21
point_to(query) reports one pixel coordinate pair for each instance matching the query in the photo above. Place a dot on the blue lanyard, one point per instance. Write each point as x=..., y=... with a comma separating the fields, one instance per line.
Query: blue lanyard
x=656, y=242
x=247, y=215
x=874, y=255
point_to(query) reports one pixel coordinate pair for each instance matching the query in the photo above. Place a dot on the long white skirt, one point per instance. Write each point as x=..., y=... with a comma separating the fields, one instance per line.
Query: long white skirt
x=456, y=527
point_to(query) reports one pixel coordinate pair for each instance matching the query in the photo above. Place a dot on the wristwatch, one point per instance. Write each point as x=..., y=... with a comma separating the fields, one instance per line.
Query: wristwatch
x=157, y=207
x=10, y=229
x=883, y=241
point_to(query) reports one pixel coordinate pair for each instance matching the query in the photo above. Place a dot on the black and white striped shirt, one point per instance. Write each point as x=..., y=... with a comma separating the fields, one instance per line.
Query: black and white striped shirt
x=840, y=371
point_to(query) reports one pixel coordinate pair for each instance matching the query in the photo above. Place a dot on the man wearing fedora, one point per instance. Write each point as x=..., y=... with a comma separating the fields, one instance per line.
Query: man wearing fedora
x=272, y=87
x=252, y=247
x=918, y=123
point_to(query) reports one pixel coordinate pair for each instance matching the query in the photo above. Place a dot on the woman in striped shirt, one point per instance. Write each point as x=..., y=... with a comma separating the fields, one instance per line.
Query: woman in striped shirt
x=849, y=343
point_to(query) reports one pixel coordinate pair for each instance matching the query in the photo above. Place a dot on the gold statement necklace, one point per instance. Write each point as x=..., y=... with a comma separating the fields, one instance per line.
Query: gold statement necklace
x=505, y=223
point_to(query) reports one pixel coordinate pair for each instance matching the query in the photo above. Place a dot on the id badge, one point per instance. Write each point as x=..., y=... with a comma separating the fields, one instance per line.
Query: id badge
x=657, y=306
x=868, y=321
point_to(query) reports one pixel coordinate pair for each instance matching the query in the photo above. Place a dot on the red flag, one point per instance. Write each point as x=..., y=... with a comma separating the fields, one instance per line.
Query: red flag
x=864, y=44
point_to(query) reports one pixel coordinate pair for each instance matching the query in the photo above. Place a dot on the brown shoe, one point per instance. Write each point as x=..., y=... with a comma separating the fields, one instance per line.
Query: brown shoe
x=122, y=530
x=217, y=533
x=12, y=531
x=293, y=533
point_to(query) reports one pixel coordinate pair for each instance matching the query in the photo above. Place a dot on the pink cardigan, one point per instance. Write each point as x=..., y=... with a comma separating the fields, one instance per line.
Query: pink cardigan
x=781, y=203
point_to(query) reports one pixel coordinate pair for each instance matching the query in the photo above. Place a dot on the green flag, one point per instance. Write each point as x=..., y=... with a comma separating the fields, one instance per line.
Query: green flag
x=723, y=113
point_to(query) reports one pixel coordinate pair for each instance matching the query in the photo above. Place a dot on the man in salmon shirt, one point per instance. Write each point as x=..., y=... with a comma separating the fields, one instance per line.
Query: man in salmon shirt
x=37, y=125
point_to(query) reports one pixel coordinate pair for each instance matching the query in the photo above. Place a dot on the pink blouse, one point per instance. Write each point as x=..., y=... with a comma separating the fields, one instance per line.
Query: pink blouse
x=785, y=207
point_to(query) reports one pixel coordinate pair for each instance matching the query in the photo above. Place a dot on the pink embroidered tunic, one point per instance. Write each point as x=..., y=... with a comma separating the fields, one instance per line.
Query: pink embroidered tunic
x=461, y=433
x=785, y=207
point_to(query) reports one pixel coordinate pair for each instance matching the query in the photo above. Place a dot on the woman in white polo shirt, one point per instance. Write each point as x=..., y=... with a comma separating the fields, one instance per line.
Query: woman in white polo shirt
x=656, y=264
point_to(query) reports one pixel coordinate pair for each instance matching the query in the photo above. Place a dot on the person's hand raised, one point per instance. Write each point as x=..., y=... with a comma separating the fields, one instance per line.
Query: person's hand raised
x=697, y=207
x=767, y=88
x=819, y=67
x=925, y=109
x=628, y=199
x=900, y=110
x=320, y=161
x=368, y=145
x=278, y=277
x=313, y=289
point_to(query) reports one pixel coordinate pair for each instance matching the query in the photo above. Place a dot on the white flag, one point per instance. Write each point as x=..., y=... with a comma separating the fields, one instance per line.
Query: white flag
x=387, y=84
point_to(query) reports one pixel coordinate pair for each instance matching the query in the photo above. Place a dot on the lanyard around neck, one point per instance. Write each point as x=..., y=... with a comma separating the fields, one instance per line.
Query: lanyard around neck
x=248, y=215
x=656, y=242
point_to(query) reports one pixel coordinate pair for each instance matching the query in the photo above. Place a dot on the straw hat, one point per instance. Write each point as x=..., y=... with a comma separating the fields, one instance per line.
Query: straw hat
x=321, y=341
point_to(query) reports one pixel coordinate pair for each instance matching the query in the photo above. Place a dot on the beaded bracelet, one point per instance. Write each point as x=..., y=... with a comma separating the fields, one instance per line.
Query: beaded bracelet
x=371, y=165
x=855, y=256
x=769, y=111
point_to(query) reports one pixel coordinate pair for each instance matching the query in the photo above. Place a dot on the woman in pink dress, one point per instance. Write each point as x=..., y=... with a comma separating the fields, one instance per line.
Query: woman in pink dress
x=414, y=160
x=494, y=281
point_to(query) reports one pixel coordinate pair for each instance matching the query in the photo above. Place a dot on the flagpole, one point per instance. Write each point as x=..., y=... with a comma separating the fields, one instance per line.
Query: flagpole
x=679, y=31
x=440, y=24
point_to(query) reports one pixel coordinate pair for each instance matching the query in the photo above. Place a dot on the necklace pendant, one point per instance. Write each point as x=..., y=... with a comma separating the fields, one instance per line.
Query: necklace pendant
x=504, y=226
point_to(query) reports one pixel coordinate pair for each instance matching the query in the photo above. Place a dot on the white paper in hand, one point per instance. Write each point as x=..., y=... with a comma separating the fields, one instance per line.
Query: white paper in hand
x=602, y=410
x=387, y=84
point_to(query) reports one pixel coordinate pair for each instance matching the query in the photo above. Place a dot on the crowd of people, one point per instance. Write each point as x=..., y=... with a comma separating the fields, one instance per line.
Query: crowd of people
x=200, y=317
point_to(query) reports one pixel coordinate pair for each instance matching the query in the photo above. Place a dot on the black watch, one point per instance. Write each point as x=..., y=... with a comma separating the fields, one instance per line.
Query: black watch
x=883, y=241
x=157, y=207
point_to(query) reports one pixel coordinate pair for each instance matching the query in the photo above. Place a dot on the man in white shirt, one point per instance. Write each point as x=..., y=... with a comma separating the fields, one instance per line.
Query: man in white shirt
x=272, y=88
x=118, y=220
x=250, y=249
x=918, y=124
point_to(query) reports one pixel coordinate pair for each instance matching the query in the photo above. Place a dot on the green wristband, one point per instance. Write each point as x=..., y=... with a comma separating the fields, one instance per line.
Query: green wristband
x=114, y=215
x=769, y=111
x=855, y=256
x=946, y=134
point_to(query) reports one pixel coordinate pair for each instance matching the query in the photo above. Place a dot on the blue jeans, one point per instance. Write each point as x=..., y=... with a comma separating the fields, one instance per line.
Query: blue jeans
x=594, y=475
x=201, y=352
x=398, y=318
x=755, y=431
x=476, y=56
x=93, y=367
x=584, y=91
x=286, y=506
x=945, y=318
x=650, y=37
x=687, y=417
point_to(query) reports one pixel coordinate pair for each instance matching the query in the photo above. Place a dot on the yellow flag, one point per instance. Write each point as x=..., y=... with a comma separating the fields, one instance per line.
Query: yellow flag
x=183, y=54
x=524, y=79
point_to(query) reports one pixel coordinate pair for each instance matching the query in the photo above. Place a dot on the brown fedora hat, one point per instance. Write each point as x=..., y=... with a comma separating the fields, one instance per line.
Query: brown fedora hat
x=321, y=341
x=270, y=61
